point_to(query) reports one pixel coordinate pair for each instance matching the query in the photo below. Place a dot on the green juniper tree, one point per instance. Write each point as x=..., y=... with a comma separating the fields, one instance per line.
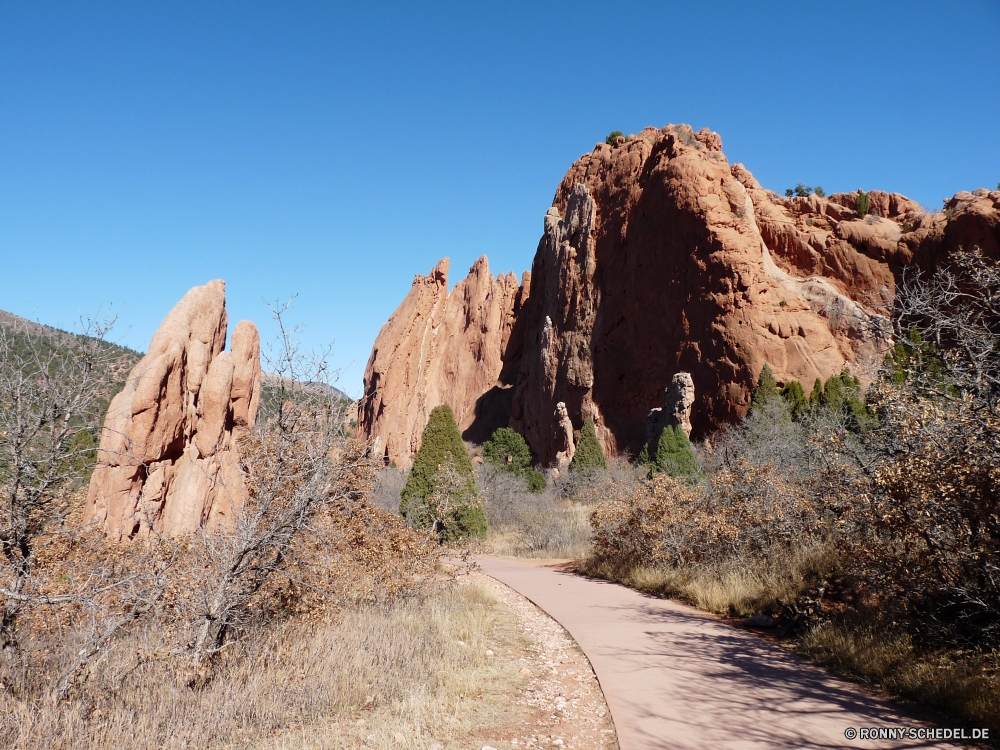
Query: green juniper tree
x=862, y=204
x=917, y=362
x=795, y=395
x=508, y=451
x=674, y=454
x=816, y=396
x=589, y=454
x=440, y=493
x=767, y=388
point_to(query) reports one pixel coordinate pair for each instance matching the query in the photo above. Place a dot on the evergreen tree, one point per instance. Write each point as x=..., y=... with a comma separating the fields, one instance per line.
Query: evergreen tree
x=767, y=388
x=915, y=361
x=442, y=475
x=536, y=481
x=644, y=455
x=508, y=451
x=843, y=393
x=839, y=389
x=816, y=397
x=795, y=395
x=674, y=454
x=862, y=204
x=589, y=454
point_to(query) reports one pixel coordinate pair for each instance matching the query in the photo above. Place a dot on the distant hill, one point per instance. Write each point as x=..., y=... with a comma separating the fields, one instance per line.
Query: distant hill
x=17, y=323
x=273, y=380
x=58, y=336
x=129, y=358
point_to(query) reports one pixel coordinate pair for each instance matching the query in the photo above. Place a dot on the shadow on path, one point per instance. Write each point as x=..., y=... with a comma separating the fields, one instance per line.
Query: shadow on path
x=675, y=677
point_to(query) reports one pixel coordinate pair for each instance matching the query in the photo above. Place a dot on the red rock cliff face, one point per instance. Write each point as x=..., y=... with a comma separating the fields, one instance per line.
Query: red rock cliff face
x=660, y=257
x=437, y=348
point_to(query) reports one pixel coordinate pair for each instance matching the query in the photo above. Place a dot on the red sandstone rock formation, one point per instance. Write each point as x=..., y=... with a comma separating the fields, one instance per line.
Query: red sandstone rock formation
x=567, y=444
x=437, y=348
x=168, y=461
x=675, y=412
x=658, y=257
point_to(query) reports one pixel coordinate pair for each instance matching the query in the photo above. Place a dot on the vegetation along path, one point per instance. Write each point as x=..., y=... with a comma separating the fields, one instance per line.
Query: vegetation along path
x=674, y=677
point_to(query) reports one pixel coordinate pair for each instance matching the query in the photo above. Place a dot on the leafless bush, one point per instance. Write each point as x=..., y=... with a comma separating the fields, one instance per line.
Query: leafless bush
x=957, y=311
x=52, y=389
x=386, y=491
x=740, y=517
x=298, y=463
x=588, y=487
x=932, y=504
x=523, y=523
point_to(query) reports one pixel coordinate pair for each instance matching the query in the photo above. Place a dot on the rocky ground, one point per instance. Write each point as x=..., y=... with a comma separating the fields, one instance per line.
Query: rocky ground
x=566, y=703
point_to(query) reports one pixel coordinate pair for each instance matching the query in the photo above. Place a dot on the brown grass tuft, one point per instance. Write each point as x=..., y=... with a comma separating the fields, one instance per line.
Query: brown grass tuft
x=878, y=654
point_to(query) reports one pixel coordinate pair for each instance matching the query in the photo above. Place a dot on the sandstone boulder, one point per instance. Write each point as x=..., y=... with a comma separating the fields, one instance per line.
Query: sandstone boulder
x=168, y=458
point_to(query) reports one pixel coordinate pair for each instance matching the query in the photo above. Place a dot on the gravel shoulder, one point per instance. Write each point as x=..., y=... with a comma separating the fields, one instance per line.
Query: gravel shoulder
x=566, y=707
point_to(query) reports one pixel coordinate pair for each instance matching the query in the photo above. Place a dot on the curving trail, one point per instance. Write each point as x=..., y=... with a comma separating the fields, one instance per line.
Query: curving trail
x=674, y=677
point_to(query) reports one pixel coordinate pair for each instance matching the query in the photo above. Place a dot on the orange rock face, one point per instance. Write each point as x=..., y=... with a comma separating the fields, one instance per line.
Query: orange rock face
x=438, y=348
x=659, y=257
x=168, y=460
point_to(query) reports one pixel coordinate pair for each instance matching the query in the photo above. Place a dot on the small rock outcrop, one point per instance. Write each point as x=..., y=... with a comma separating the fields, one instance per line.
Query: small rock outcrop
x=168, y=460
x=439, y=348
x=676, y=410
x=564, y=437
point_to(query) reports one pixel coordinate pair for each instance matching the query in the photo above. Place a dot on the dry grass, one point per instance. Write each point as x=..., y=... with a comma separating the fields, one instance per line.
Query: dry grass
x=417, y=668
x=726, y=589
x=884, y=658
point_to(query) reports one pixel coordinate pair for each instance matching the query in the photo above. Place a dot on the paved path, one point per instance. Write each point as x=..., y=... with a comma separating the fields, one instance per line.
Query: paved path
x=675, y=677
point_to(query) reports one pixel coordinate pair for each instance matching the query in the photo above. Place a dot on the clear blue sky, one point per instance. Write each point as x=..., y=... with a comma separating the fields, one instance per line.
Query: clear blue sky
x=335, y=150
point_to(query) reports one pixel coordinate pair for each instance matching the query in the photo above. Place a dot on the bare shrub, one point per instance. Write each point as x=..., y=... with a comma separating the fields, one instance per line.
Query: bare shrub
x=53, y=388
x=305, y=546
x=744, y=540
x=587, y=488
x=531, y=524
x=297, y=463
x=386, y=491
x=931, y=514
x=927, y=535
